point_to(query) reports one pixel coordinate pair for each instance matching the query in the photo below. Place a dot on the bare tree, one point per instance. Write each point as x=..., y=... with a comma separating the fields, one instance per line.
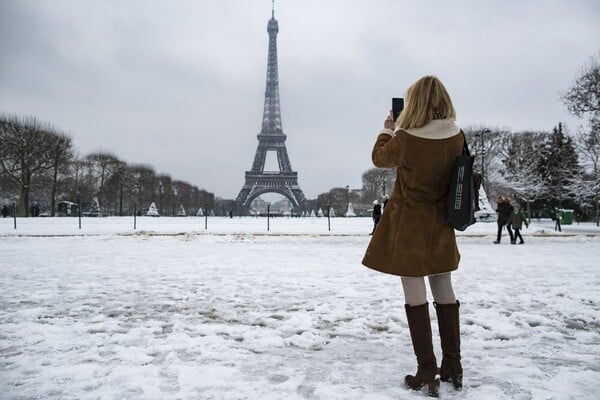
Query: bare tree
x=7, y=188
x=582, y=99
x=102, y=165
x=206, y=200
x=488, y=145
x=337, y=198
x=78, y=184
x=61, y=149
x=376, y=182
x=24, y=154
x=588, y=145
x=141, y=183
x=183, y=195
x=200, y=198
x=165, y=192
x=114, y=187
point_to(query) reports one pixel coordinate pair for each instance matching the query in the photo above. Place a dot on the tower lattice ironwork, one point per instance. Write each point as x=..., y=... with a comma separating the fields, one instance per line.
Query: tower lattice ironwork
x=271, y=138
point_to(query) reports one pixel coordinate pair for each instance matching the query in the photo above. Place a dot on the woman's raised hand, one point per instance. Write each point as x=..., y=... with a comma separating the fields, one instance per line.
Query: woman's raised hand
x=389, y=122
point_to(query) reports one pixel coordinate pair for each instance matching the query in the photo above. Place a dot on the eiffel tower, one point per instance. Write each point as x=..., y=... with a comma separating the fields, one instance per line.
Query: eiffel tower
x=271, y=138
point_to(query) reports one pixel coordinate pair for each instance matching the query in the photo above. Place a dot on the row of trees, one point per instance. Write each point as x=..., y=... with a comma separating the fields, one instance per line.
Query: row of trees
x=38, y=166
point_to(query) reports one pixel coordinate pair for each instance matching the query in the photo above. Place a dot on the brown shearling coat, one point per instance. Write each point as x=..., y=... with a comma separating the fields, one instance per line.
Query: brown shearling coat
x=412, y=238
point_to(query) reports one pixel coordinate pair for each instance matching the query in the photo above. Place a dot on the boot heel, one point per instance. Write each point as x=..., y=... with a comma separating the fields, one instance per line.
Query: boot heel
x=433, y=388
x=457, y=381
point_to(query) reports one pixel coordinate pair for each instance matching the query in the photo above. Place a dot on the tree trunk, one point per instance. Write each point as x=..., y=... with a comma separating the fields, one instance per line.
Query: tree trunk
x=121, y=197
x=23, y=205
x=101, y=193
x=597, y=208
x=53, y=191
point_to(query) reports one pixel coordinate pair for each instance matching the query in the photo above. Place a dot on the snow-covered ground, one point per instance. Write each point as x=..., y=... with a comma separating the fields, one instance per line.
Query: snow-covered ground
x=174, y=311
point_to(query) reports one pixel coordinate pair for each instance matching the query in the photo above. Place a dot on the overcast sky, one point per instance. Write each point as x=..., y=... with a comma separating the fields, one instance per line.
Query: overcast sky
x=180, y=84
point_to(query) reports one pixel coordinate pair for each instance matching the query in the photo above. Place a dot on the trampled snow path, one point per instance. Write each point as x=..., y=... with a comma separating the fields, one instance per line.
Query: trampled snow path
x=238, y=316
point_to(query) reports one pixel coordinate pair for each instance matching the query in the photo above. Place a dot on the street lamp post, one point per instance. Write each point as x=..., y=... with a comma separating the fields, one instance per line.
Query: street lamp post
x=205, y=215
x=120, y=193
x=160, y=196
x=79, y=207
x=483, y=156
x=138, y=189
x=268, y=216
x=597, y=208
x=122, y=174
x=347, y=198
x=481, y=135
x=174, y=195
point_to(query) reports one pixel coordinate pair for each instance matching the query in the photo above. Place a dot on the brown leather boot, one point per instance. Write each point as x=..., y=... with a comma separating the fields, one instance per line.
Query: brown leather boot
x=448, y=322
x=420, y=333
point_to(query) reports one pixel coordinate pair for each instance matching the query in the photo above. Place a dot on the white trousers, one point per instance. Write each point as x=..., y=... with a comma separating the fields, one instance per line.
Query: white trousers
x=415, y=293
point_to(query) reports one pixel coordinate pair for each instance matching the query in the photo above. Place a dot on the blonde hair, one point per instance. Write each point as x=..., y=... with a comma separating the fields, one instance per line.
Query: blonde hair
x=427, y=99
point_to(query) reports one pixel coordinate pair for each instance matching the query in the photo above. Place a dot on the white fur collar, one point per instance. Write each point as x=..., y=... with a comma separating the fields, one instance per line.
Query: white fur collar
x=436, y=129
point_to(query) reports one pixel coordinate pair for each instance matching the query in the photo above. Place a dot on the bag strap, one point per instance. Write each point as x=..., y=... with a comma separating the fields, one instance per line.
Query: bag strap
x=465, y=145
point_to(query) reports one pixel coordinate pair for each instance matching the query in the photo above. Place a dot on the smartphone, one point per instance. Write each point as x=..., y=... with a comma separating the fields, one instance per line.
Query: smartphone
x=397, y=106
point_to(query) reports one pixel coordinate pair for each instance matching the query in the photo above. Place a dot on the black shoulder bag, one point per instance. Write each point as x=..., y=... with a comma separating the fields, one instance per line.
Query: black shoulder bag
x=460, y=207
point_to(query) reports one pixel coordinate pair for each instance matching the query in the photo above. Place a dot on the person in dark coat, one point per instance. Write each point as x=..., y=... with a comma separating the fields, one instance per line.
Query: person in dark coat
x=5, y=211
x=504, y=210
x=476, y=186
x=557, y=218
x=376, y=214
x=413, y=240
x=517, y=218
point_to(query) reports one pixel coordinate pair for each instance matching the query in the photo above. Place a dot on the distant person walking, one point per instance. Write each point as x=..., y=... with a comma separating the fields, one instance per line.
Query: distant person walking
x=504, y=210
x=413, y=240
x=5, y=211
x=376, y=214
x=476, y=186
x=557, y=218
x=517, y=219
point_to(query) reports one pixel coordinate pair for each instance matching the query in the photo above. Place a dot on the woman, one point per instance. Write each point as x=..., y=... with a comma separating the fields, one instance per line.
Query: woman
x=517, y=218
x=412, y=239
x=504, y=210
